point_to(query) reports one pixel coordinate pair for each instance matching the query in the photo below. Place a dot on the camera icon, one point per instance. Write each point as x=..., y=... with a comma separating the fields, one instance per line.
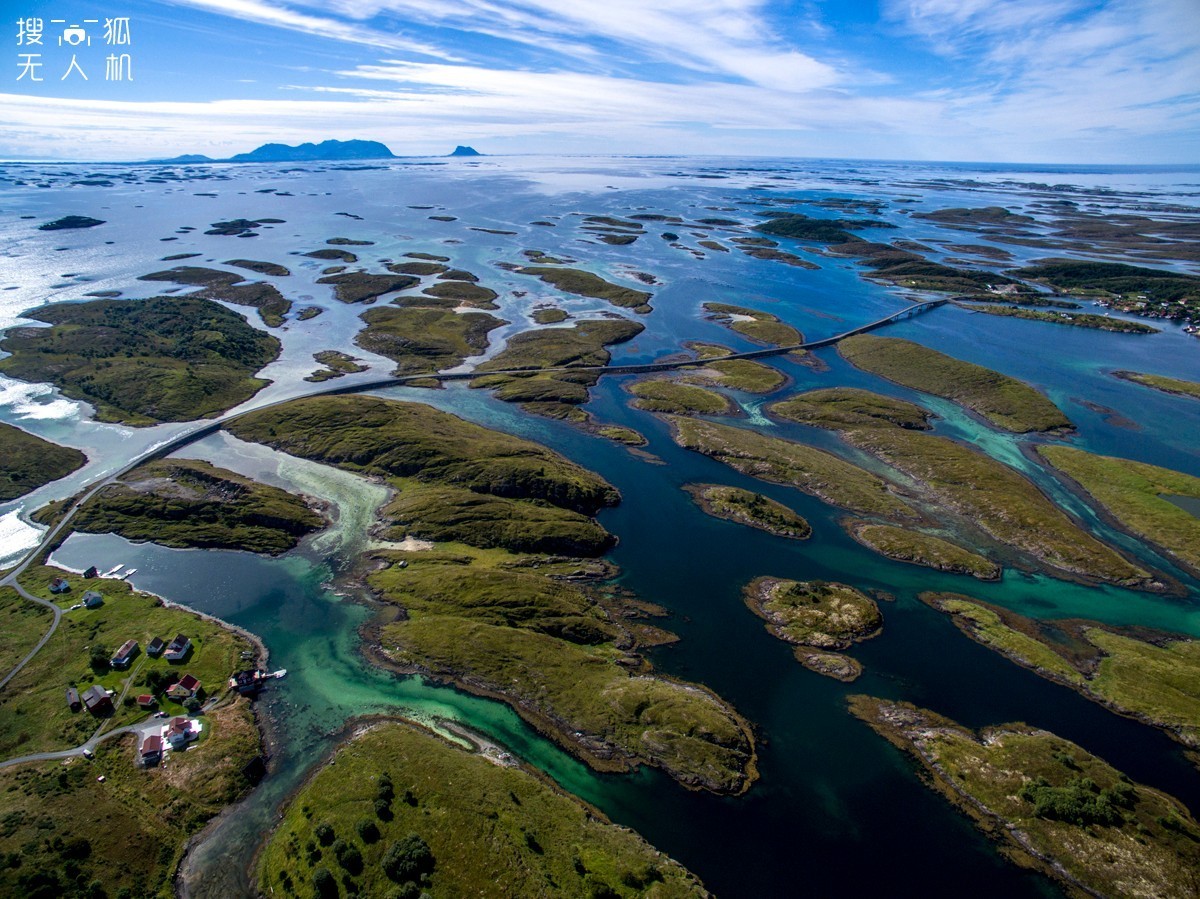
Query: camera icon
x=74, y=36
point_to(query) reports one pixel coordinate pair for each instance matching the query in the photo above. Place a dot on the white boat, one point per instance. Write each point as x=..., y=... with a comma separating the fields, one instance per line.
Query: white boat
x=282, y=672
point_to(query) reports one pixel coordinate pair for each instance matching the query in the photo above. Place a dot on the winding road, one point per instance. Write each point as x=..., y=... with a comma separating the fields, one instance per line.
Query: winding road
x=51, y=538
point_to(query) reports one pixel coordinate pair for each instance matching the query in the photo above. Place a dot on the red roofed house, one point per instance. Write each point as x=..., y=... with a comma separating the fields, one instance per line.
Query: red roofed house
x=152, y=750
x=186, y=687
x=180, y=733
x=125, y=655
x=146, y=701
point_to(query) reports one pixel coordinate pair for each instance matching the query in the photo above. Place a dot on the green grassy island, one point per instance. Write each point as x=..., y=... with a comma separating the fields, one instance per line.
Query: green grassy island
x=1053, y=805
x=666, y=395
x=838, y=408
x=761, y=327
x=141, y=362
x=1074, y=319
x=1161, y=382
x=906, y=545
x=1128, y=288
x=586, y=284
x=806, y=468
x=186, y=503
x=422, y=340
x=1152, y=677
x=382, y=819
x=337, y=364
x=734, y=374
x=464, y=293
x=753, y=509
x=481, y=615
x=28, y=462
x=1003, y=401
x=583, y=344
x=228, y=287
x=997, y=500
x=361, y=287
x=1133, y=494
x=819, y=618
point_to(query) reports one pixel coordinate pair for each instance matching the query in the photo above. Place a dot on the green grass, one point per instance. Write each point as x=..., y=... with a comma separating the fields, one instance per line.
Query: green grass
x=985, y=625
x=1050, y=802
x=1132, y=288
x=28, y=462
x=336, y=365
x=420, y=269
x=736, y=374
x=389, y=438
x=185, y=503
x=905, y=545
x=227, y=287
x=586, y=284
x=550, y=316
x=749, y=508
x=33, y=712
x=263, y=268
x=998, y=500
x=1155, y=680
x=22, y=624
x=838, y=408
x=1074, y=319
x=464, y=293
x=806, y=468
x=822, y=615
x=620, y=434
x=662, y=395
x=141, y=362
x=1003, y=401
x=360, y=287
x=61, y=830
x=500, y=831
x=763, y=327
x=581, y=344
x=453, y=514
x=553, y=652
x=1131, y=492
x=425, y=340
x=1163, y=383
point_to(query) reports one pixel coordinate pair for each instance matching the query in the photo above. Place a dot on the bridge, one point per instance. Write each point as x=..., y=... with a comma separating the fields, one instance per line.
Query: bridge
x=50, y=541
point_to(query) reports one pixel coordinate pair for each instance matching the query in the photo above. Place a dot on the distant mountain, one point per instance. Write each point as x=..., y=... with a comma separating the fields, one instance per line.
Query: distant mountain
x=326, y=151
x=323, y=152
x=189, y=157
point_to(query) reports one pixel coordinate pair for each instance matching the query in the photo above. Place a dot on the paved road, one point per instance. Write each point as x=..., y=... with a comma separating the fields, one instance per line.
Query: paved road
x=153, y=724
x=50, y=540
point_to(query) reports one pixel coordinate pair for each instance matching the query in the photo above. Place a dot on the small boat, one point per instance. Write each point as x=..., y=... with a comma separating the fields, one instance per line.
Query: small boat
x=282, y=672
x=113, y=570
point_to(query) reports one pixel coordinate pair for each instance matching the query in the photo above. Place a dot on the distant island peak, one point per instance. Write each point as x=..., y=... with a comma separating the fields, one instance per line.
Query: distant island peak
x=326, y=151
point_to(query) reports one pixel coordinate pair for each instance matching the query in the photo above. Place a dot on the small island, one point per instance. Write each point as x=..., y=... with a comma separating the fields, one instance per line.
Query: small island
x=1055, y=807
x=1176, y=386
x=145, y=361
x=907, y=545
x=586, y=284
x=28, y=462
x=761, y=327
x=668, y=395
x=820, y=618
x=749, y=508
x=378, y=817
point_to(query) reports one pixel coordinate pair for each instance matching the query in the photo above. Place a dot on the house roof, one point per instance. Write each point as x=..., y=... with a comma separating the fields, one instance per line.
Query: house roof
x=126, y=648
x=145, y=699
x=179, y=642
x=189, y=682
x=152, y=743
x=95, y=691
x=155, y=645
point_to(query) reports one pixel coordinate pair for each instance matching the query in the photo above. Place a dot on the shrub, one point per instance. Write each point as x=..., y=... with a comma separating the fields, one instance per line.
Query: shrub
x=367, y=831
x=324, y=884
x=348, y=856
x=1080, y=802
x=408, y=859
x=98, y=658
x=324, y=833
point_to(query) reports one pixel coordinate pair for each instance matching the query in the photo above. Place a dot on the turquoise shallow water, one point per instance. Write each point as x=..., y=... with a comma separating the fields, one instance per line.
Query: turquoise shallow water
x=832, y=794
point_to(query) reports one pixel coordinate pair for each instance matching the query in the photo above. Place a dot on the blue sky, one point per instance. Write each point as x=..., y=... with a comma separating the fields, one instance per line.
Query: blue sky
x=980, y=80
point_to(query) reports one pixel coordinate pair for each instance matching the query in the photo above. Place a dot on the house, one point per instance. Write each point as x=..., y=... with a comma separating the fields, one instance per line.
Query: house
x=155, y=647
x=97, y=700
x=187, y=686
x=73, y=702
x=146, y=701
x=125, y=655
x=179, y=732
x=152, y=750
x=59, y=585
x=247, y=682
x=92, y=600
x=178, y=649
x=92, y=572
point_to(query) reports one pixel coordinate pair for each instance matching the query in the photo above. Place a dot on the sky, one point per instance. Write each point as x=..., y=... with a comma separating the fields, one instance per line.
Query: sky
x=1064, y=81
